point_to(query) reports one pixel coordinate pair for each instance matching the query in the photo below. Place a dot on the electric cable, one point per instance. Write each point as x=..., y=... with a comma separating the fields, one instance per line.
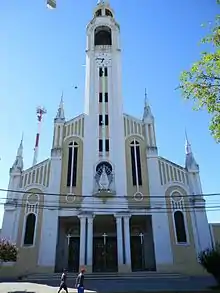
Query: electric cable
x=126, y=196
x=118, y=208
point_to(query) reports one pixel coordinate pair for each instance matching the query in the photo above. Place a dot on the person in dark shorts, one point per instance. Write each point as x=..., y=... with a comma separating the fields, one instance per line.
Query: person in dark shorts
x=80, y=281
x=63, y=284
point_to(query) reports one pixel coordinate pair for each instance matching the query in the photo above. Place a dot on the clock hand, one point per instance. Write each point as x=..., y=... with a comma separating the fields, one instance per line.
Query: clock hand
x=103, y=59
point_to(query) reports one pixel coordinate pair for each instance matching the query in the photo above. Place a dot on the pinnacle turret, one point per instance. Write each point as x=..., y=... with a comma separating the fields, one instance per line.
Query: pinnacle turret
x=190, y=162
x=18, y=163
x=147, y=110
x=60, y=113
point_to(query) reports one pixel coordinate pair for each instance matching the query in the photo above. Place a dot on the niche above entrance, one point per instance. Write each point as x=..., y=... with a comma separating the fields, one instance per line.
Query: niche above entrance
x=104, y=181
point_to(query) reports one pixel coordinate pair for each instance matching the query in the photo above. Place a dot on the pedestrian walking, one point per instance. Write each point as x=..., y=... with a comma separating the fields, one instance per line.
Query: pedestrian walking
x=63, y=284
x=80, y=281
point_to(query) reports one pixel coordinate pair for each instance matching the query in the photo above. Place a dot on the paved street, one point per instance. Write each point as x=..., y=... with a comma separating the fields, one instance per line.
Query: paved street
x=108, y=286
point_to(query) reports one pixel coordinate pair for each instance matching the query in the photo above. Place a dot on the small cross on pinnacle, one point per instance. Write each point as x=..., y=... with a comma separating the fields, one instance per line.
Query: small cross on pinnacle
x=145, y=97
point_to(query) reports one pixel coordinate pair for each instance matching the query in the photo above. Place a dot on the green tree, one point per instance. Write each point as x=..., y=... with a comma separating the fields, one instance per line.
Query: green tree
x=210, y=260
x=8, y=251
x=202, y=82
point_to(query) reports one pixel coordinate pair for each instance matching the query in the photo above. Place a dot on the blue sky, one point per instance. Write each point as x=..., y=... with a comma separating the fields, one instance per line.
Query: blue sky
x=42, y=53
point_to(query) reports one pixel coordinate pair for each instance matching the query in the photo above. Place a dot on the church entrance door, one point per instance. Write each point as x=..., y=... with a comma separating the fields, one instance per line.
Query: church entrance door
x=137, y=254
x=142, y=245
x=73, y=256
x=105, y=254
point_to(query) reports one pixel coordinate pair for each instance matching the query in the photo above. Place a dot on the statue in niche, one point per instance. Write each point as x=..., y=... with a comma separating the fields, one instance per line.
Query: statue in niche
x=104, y=176
x=103, y=180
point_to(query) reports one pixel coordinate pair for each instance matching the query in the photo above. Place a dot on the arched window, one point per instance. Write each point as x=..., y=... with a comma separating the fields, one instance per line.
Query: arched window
x=180, y=227
x=136, y=163
x=29, y=229
x=108, y=12
x=98, y=13
x=72, y=164
x=103, y=36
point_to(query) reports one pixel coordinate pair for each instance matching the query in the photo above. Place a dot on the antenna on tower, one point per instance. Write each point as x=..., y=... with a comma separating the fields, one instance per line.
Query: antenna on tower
x=40, y=111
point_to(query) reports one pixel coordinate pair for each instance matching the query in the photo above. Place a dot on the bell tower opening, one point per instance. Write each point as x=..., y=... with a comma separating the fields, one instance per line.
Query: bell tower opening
x=103, y=36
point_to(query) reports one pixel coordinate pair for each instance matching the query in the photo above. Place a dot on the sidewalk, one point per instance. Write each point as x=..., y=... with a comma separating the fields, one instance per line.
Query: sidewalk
x=31, y=288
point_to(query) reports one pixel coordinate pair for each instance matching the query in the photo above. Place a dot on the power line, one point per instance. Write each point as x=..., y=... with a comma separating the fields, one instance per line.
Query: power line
x=115, y=209
x=123, y=196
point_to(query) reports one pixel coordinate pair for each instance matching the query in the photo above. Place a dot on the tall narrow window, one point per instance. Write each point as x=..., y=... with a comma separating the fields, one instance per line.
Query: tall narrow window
x=106, y=97
x=100, y=120
x=180, y=227
x=106, y=71
x=100, y=71
x=72, y=164
x=136, y=163
x=100, y=97
x=107, y=145
x=100, y=145
x=106, y=119
x=30, y=229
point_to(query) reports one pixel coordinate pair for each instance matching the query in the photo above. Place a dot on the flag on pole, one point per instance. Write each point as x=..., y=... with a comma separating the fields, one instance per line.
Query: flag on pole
x=51, y=4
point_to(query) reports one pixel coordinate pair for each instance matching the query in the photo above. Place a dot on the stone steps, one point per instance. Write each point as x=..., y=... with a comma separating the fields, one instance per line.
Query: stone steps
x=106, y=276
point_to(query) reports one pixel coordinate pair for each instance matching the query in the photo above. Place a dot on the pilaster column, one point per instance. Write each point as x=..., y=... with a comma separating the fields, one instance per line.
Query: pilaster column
x=127, y=240
x=82, y=240
x=90, y=241
x=119, y=240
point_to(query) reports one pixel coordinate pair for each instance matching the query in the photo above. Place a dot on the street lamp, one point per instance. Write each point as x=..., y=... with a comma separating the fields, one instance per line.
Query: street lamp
x=51, y=4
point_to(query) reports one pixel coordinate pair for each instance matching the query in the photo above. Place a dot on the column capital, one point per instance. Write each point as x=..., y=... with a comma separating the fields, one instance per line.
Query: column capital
x=81, y=216
x=90, y=220
x=121, y=215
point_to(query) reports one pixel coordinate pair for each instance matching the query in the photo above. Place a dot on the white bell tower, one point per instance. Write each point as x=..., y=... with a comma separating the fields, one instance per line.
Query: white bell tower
x=104, y=126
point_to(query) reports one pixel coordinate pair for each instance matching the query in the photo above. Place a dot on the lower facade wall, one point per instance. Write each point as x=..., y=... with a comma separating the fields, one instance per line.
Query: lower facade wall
x=15, y=271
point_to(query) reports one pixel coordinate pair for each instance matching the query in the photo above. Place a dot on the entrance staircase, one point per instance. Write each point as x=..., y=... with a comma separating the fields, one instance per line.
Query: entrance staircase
x=105, y=276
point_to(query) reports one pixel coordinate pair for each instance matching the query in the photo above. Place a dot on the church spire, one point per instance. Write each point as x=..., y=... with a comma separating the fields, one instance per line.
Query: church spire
x=103, y=2
x=60, y=113
x=18, y=163
x=190, y=162
x=147, y=110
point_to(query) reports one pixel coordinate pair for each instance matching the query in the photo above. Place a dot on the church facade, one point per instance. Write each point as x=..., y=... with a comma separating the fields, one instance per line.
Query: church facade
x=105, y=200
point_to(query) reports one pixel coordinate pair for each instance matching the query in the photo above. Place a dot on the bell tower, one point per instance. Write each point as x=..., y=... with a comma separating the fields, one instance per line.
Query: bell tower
x=104, y=126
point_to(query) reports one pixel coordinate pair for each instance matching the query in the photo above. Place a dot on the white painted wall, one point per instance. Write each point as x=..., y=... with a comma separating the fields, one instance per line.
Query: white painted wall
x=161, y=233
x=91, y=122
x=201, y=231
x=115, y=106
x=204, y=234
x=11, y=214
x=47, y=253
x=116, y=123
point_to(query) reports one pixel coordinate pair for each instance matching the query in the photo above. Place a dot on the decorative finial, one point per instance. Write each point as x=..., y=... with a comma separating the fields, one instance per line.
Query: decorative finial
x=190, y=162
x=61, y=99
x=60, y=112
x=145, y=97
x=188, y=149
x=102, y=2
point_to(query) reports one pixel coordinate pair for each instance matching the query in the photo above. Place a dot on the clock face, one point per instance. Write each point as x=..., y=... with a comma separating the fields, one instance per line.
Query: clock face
x=103, y=59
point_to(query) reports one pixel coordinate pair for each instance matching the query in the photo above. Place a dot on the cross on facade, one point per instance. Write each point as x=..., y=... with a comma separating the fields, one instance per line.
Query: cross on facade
x=104, y=238
x=68, y=239
x=141, y=237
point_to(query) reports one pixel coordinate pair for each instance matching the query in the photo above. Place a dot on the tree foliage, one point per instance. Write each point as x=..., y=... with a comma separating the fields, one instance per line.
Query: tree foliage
x=202, y=82
x=210, y=260
x=8, y=251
